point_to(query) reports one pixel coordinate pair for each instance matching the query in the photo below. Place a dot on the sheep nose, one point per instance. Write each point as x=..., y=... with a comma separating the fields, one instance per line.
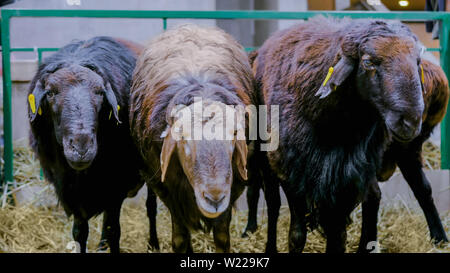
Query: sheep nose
x=81, y=143
x=413, y=124
x=214, y=199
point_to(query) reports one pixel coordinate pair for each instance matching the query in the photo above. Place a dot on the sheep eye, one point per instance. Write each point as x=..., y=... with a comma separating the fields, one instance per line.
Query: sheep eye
x=368, y=64
x=91, y=67
x=50, y=94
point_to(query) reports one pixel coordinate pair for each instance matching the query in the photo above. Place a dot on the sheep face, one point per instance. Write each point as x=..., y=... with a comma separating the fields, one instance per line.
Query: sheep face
x=388, y=76
x=74, y=96
x=207, y=163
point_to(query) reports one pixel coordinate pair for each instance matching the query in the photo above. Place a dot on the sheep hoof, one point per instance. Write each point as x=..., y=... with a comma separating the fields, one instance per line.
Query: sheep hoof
x=439, y=242
x=152, y=249
x=102, y=247
x=248, y=230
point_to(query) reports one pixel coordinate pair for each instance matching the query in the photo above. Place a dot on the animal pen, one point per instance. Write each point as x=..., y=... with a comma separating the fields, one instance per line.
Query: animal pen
x=7, y=50
x=7, y=14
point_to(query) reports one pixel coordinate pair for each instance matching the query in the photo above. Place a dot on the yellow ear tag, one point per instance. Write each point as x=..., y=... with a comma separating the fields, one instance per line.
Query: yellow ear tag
x=422, y=75
x=110, y=112
x=32, y=102
x=118, y=108
x=330, y=71
x=40, y=111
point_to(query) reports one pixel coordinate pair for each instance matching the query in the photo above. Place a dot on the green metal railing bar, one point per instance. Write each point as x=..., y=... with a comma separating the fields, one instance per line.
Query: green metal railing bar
x=444, y=40
x=7, y=14
x=238, y=14
x=40, y=50
x=7, y=111
x=164, y=23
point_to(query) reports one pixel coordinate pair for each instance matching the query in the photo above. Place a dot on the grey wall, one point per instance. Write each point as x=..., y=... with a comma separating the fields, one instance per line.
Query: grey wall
x=55, y=32
x=242, y=30
x=291, y=5
x=251, y=33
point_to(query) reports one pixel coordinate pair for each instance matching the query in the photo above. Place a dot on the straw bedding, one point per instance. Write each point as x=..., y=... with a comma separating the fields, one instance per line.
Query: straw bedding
x=33, y=228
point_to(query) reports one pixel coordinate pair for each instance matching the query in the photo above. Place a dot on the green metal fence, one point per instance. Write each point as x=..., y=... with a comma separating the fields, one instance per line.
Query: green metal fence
x=7, y=14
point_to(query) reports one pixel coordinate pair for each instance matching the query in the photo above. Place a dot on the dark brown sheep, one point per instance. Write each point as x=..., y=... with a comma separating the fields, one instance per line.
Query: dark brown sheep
x=197, y=179
x=436, y=96
x=345, y=89
x=78, y=104
x=408, y=157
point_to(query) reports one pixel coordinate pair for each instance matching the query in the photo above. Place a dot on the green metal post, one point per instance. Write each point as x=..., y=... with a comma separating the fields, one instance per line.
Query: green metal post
x=164, y=23
x=7, y=109
x=445, y=63
x=42, y=50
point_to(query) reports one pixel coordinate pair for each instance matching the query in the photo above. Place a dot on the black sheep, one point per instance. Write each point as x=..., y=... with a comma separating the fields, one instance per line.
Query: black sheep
x=408, y=157
x=78, y=105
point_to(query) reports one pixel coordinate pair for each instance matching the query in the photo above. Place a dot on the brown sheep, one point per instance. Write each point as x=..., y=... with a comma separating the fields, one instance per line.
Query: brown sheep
x=345, y=88
x=408, y=156
x=198, y=180
x=436, y=96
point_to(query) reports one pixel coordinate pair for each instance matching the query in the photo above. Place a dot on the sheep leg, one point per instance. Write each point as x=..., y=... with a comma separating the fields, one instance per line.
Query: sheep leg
x=336, y=240
x=111, y=228
x=252, y=202
x=370, y=208
x=221, y=232
x=153, y=243
x=334, y=221
x=181, y=238
x=411, y=168
x=80, y=231
x=271, y=187
x=272, y=196
x=297, y=228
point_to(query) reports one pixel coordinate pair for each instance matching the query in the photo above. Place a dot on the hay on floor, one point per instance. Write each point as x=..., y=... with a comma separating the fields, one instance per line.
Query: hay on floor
x=39, y=229
x=31, y=228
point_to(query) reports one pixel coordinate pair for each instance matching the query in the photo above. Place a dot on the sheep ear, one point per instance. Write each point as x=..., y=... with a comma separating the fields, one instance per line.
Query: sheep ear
x=336, y=76
x=111, y=98
x=241, y=158
x=34, y=100
x=166, y=152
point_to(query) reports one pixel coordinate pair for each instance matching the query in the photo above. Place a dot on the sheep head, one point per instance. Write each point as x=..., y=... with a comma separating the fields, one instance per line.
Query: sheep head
x=208, y=137
x=385, y=59
x=72, y=98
